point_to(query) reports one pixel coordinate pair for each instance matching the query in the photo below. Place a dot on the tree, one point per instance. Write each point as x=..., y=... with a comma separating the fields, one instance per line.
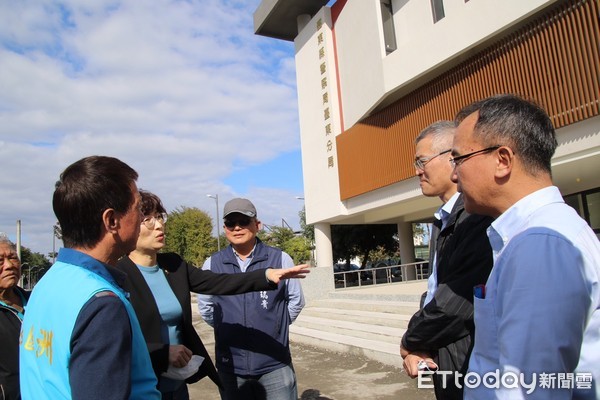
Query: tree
x=299, y=249
x=284, y=238
x=350, y=241
x=308, y=231
x=33, y=266
x=189, y=234
x=275, y=236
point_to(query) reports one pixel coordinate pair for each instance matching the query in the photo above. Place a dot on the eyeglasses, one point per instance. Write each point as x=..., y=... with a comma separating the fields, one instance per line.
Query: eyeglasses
x=150, y=221
x=421, y=162
x=456, y=161
x=241, y=222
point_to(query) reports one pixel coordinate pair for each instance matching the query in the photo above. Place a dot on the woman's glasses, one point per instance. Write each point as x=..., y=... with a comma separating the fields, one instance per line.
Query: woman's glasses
x=150, y=221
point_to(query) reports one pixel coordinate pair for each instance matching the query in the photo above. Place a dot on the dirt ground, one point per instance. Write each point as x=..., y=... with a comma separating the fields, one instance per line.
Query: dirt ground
x=328, y=375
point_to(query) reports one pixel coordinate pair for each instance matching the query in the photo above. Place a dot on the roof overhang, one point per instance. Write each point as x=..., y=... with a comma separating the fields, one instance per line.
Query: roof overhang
x=277, y=18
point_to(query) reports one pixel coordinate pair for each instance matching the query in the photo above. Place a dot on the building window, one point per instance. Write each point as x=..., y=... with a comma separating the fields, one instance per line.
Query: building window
x=389, y=33
x=587, y=205
x=437, y=8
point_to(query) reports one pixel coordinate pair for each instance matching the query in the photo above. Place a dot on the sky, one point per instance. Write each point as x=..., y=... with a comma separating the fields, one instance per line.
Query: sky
x=182, y=91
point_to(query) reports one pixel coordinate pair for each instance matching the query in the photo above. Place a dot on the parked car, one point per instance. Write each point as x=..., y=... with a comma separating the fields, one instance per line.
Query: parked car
x=380, y=274
x=343, y=267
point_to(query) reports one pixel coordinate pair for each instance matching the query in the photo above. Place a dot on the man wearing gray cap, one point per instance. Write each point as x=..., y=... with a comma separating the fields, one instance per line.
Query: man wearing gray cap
x=252, y=351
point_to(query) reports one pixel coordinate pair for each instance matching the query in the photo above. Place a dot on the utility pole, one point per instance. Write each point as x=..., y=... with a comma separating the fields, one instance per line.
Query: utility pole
x=218, y=222
x=19, y=248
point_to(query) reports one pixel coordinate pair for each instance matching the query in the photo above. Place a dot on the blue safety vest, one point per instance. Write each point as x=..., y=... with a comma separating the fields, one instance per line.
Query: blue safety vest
x=251, y=329
x=48, y=326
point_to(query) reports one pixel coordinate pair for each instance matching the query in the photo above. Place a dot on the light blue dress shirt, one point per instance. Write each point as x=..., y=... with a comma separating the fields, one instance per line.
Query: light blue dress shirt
x=443, y=214
x=541, y=311
x=294, y=290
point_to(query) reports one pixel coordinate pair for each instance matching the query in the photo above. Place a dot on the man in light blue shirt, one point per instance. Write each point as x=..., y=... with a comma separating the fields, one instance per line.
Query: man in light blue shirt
x=537, y=321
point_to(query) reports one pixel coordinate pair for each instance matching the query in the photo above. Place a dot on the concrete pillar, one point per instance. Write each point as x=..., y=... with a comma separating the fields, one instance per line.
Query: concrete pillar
x=323, y=245
x=407, y=249
x=320, y=281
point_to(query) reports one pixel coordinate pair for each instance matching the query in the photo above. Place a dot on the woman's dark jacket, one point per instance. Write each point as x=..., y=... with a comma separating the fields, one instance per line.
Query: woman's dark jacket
x=183, y=279
x=10, y=327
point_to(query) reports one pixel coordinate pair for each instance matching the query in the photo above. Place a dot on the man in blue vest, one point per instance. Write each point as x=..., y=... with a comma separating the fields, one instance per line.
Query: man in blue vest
x=252, y=330
x=80, y=338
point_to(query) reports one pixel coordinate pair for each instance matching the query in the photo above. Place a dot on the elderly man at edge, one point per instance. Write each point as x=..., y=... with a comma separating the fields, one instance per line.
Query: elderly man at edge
x=13, y=301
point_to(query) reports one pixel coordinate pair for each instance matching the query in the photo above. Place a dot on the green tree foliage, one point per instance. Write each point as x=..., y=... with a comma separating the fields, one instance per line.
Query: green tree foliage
x=276, y=236
x=33, y=265
x=189, y=234
x=298, y=247
x=308, y=231
x=350, y=241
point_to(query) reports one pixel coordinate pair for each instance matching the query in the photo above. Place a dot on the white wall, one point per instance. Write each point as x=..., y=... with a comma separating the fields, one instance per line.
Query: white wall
x=367, y=75
x=360, y=51
x=321, y=180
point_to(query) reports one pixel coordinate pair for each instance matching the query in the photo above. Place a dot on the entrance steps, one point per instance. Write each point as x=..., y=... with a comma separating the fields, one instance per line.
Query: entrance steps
x=368, y=322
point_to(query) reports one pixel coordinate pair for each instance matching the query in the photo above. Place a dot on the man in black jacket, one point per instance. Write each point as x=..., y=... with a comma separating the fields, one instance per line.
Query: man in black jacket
x=461, y=258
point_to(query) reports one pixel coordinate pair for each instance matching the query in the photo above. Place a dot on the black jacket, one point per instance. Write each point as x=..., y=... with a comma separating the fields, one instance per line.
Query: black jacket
x=445, y=327
x=10, y=327
x=183, y=279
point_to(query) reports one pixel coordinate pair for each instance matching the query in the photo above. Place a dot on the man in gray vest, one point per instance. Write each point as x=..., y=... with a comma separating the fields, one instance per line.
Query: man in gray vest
x=252, y=352
x=440, y=334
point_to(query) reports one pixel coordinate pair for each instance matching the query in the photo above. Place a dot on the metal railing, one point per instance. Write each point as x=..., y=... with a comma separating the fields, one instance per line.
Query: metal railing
x=382, y=275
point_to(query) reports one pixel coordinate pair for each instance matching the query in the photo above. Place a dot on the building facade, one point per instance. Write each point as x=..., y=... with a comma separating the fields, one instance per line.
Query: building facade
x=371, y=74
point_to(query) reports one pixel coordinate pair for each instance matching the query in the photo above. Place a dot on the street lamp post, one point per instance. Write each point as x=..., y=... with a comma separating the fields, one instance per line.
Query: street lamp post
x=216, y=197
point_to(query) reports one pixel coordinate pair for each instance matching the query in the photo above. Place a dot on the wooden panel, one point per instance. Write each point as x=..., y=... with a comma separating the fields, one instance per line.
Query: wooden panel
x=554, y=60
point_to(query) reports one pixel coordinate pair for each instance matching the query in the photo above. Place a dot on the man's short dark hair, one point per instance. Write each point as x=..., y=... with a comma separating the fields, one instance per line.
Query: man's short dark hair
x=520, y=124
x=85, y=190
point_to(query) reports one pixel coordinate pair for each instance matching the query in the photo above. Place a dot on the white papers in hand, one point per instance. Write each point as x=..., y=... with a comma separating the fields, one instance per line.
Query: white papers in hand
x=183, y=373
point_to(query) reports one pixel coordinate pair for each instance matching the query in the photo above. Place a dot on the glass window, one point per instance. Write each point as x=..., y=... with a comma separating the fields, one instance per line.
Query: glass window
x=592, y=202
x=437, y=8
x=389, y=32
x=575, y=201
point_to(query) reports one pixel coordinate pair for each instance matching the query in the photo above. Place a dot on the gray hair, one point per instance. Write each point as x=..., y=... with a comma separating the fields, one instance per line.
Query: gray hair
x=5, y=240
x=441, y=133
x=520, y=124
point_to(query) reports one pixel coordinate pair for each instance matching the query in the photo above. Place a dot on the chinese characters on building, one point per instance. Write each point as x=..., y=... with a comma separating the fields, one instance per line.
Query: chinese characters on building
x=329, y=142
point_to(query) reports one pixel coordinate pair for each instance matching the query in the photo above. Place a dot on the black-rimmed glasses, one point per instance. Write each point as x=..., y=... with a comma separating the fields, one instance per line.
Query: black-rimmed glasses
x=456, y=161
x=150, y=220
x=421, y=162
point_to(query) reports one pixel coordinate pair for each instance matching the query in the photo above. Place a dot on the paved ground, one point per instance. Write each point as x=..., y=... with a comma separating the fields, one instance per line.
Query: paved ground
x=328, y=375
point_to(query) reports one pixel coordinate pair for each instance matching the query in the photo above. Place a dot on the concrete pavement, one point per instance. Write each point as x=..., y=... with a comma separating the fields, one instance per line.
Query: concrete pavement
x=331, y=375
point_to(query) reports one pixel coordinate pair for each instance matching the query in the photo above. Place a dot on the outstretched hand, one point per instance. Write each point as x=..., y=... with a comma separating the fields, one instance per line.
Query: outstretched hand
x=299, y=271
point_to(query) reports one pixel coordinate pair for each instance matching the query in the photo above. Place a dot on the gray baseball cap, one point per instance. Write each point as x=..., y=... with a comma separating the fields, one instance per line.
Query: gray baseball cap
x=239, y=205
